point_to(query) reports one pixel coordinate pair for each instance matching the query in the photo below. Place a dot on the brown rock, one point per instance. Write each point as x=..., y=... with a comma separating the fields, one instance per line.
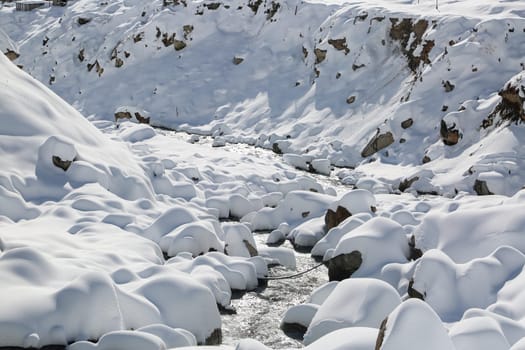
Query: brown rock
x=406, y=183
x=413, y=293
x=122, y=115
x=448, y=86
x=449, y=135
x=339, y=44
x=179, y=45
x=251, y=249
x=12, y=55
x=381, y=335
x=215, y=338
x=350, y=100
x=343, y=266
x=141, y=119
x=119, y=62
x=334, y=218
x=62, y=164
x=320, y=55
x=405, y=124
x=481, y=188
x=377, y=143
x=237, y=60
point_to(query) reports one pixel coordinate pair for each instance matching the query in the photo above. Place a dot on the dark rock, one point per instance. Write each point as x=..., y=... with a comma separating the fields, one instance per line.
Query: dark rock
x=481, y=188
x=168, y=40
x=405, y=124
x=510, y=107
x=305, y=214
x=62, y=164
x=119, y=62
x=294, y=330
x=426, y=159
x=213, y=5
x=83, y=20
x=377, y=143
x=122, y=115
x=410, y=37
x=12, y=55
x=350, y=100
x=305, y=52
x=357, y=66
x=344, y=265
x=215, y=338
x=276, y=149
x=412, y=293
x=251, y=249
x=320, y=55
x=449, y=134
x=138, y=37
x=406, y=183
x=179, y=45
x=237, y=60
x=334, y=218
x=81, y=56
x=254, y=5
x=381, y=334
x=272, y=10
x=448, y=86
x=339, y=44
x=141, y=119
x=414, y=253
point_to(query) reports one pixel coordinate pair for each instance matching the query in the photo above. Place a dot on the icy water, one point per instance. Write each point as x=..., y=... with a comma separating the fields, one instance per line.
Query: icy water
x=259, y=312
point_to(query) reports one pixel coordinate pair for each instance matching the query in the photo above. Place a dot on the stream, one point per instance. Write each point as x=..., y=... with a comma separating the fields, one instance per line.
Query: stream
x=259, y=312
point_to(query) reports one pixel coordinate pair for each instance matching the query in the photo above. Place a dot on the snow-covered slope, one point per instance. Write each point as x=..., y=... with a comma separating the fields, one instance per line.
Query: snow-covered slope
x=322, y=78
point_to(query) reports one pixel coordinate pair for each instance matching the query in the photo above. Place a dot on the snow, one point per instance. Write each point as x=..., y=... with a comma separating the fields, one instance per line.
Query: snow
x=116, y=234
x=370, y=302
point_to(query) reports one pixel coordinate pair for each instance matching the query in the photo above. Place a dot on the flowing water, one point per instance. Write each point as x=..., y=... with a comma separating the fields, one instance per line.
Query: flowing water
x=259, y=312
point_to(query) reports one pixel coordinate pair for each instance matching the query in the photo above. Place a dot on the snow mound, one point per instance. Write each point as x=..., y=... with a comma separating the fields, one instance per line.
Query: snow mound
x=371, y=301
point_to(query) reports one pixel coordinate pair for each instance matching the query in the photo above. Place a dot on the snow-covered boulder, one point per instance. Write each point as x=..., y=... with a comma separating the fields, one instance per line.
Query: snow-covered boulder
x=370, y=302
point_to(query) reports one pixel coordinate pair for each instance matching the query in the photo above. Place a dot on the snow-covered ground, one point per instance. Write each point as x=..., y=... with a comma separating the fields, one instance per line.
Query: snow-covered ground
x=117, y=235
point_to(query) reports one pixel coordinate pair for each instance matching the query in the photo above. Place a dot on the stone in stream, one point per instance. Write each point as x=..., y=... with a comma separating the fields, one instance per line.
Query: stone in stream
x=334, y=218
x=343, y=266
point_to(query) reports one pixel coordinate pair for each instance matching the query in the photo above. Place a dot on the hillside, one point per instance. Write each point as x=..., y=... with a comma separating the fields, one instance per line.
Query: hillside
x=162, y=162
x=439, y=89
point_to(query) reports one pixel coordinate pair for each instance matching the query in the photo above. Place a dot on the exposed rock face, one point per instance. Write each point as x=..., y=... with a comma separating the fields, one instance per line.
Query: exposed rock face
x=410, y=36
x=215, y=338
x=62, y=164
x=481, y=188
x=449, y=134
x=377, y=143
x=414, y=293
x=141, y=119
x=350, y=100
x=406, y=183
x=339, y=44
x=381, y=335
x=405, y=124
x=122, y=115
x=320, y=55
x=510, y=107
x=83, y=20
x=12, y=55
x=334, y=218
x=276, y=149
x=237, y=60
x=179, y=45
x=448, y=86
x=344, y=265
x=251, y=249
x=414, y=253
